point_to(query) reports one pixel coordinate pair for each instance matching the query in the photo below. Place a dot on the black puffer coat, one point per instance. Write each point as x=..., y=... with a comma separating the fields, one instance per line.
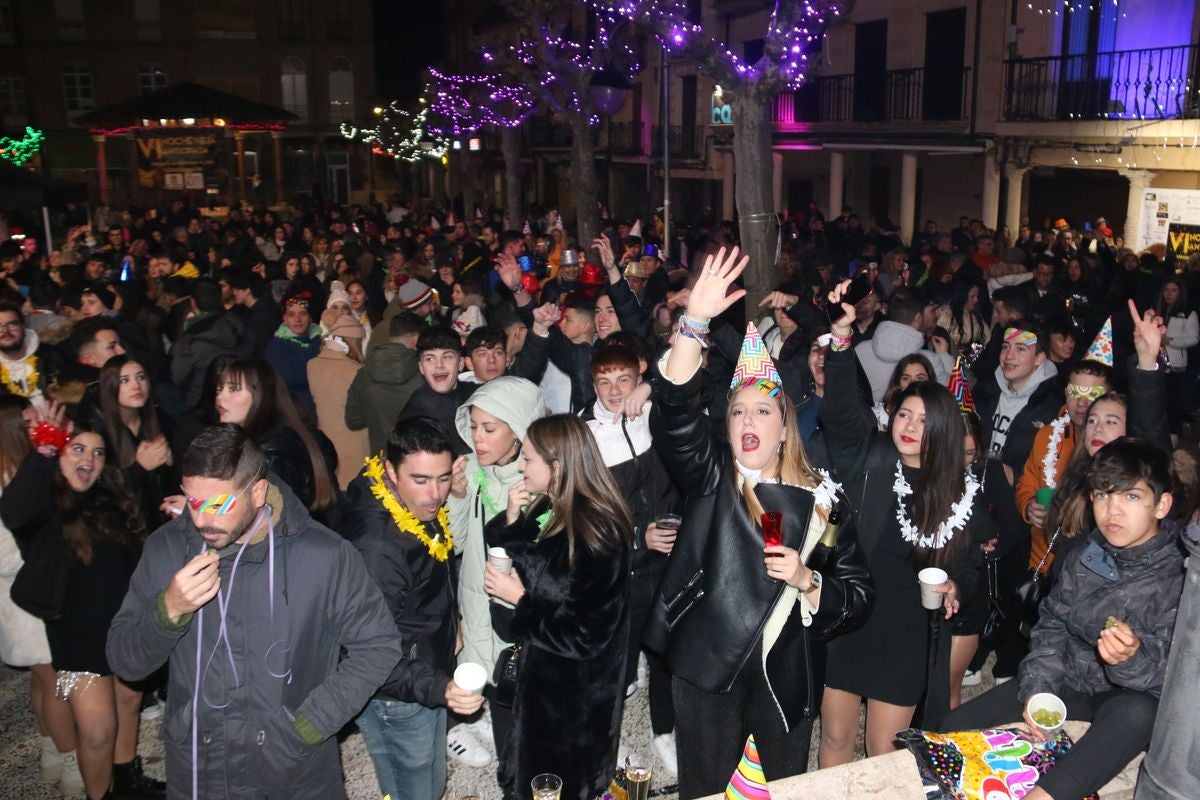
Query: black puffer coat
x=714, y=599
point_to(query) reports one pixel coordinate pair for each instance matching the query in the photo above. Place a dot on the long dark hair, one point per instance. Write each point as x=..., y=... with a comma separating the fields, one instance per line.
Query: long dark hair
x=586, y=503
x=14, y=441
x=892, y=392
x=120, y=438
x=942, y=479
x=1180, y=305
x=1071, y=507
x=109, y=511
x=273, y=404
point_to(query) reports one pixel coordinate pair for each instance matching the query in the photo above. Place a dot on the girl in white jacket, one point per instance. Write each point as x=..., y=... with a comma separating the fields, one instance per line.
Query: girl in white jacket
x=1183, y=332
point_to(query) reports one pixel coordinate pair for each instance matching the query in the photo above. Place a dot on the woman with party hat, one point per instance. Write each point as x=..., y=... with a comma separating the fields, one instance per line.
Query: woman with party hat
x=738, y=614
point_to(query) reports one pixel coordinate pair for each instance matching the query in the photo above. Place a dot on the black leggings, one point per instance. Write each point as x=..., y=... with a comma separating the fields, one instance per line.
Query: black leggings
x=711, y=730
x=1122, y=720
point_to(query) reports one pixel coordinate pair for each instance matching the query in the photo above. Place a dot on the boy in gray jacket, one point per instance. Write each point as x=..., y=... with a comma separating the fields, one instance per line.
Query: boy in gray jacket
x=1102, y=637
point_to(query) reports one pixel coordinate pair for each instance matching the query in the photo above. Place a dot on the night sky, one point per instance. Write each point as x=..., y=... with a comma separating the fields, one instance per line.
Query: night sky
x=408, y=38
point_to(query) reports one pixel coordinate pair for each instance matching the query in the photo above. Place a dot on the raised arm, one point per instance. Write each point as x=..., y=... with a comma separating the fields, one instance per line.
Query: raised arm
x=846, y=418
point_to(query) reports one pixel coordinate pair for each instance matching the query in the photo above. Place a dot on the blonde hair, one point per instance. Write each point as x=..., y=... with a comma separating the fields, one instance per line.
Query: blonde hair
x=794, y=467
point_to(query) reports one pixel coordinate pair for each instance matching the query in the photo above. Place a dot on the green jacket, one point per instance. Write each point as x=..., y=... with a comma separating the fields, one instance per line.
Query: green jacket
x=380, y=391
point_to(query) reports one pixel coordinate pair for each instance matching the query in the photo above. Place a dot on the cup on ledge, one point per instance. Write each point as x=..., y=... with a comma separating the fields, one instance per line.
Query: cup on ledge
x=929, y=578
x=1048, y=713
x=498, y=557
x=470, y=677
x=546, y=786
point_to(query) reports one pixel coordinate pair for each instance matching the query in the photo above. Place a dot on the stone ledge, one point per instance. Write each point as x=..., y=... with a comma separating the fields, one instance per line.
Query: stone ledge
x=895, y=777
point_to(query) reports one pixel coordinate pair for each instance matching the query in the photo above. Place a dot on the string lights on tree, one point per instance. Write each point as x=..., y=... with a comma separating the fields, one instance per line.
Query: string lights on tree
x=463, y=104
x=18, y=151
x=401, y=134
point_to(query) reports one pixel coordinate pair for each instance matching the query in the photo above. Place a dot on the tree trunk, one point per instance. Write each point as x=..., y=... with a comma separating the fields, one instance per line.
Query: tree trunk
x=510, y=147
x=467, y=184
x=753, y=192
x=584, y=185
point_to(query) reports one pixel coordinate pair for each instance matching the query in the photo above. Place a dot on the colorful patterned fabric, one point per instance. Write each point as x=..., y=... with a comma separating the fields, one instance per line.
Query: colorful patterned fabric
x=748, y=781
x=755, y=367
x=1102, y=348
x=959, y=387
x=1018, y=336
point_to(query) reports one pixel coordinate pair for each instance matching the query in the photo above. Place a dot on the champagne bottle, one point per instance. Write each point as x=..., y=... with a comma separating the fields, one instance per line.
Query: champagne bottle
x=823, y=557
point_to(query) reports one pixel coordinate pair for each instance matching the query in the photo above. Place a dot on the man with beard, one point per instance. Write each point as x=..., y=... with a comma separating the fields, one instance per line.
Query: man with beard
x=21, y=371
x=298, y=640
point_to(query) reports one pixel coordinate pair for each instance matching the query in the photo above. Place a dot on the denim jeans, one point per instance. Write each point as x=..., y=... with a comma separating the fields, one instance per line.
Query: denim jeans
x=407, y=743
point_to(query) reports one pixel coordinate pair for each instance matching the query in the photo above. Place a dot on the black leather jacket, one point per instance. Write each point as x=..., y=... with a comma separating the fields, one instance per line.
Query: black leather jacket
x=714, y=598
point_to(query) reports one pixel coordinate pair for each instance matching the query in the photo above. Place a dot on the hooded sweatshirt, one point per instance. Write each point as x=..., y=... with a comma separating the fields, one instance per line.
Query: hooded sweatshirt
x=1012, y=401
x=381, y=390
x=517, y=402
x=893, y=341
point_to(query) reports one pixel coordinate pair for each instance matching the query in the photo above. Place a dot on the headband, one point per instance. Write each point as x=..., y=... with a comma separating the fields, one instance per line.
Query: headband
x=1075, y=391
x=1018, y=336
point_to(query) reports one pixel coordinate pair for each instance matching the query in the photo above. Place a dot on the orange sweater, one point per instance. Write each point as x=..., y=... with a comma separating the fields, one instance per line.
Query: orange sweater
x=1032, y=479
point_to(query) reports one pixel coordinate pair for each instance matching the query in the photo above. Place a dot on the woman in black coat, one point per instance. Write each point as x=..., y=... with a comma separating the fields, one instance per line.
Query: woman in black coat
x=568, y=532
x=741, y=625
x=921, y=457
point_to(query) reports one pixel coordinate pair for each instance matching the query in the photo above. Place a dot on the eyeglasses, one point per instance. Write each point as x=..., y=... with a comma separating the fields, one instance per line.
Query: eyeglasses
x=15, y=325
x=217, y=506
x=1076, y=392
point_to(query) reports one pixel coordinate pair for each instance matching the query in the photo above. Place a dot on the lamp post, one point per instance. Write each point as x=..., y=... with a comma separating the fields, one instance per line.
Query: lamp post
x=607, y=91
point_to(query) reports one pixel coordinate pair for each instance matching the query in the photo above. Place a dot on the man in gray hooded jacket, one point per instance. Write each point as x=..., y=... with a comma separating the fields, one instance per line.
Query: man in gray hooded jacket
x=258, y=682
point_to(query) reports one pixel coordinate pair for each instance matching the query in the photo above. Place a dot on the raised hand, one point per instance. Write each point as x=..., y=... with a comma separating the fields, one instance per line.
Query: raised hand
x=509, y=270
x=545, y=317
x=842, y=326
x=518, y=500
x=1148, y=333
x=778, y=299
x=604, y=248
x=711, y=294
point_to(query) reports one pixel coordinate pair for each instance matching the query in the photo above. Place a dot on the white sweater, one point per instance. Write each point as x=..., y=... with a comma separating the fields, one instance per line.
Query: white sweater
x=1183, y=332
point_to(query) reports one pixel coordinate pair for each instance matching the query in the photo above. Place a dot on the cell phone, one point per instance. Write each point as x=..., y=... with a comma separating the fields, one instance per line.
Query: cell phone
x=860, y=287
x=526, y=263
x=1087, y=227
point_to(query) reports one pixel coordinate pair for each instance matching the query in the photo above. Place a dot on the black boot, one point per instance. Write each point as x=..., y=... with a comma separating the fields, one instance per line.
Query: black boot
x=130, y=783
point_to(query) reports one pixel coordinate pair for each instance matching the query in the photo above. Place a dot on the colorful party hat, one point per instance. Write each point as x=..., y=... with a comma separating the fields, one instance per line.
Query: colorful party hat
x=1102, y=348
x=959, y=387
x=754, y=366
x=748, y=781
x=636, y=228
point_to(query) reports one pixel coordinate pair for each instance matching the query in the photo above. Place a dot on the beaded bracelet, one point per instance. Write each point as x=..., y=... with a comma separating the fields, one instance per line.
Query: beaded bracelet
x=839, y=343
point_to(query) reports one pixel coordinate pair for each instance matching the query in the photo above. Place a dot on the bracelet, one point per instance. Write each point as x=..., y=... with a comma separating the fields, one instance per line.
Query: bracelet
x=839, y=343
x=695, y=324
x=692, y=331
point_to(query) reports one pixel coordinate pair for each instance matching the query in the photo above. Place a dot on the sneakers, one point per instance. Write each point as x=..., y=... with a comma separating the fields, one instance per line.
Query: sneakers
x=130, y=783
x=1000, y=681
x=482, y=728
x=973, y=677
x=643, y=671
x=663, y=746
x=71, y=782
x=152, y=709
x=51, y=762
x=464, y=748
x=631, y=690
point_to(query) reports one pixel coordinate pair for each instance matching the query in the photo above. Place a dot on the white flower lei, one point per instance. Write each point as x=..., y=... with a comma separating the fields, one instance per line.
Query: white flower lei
x=960, y=513
x=1050, y=462
x=881, y=415
x=824, y=493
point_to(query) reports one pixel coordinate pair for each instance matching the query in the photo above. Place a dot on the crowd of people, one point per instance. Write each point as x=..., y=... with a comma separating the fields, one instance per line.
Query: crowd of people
x=468, y=484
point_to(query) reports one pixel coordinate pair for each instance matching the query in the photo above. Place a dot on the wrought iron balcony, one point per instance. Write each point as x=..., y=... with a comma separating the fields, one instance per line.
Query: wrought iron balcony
x=685, y=141
x=1156, y=83
x=904, y=95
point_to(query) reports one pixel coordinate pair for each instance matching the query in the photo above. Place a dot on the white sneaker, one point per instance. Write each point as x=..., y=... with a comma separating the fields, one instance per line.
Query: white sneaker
x=463, y=747
x=663, y=746
x=643, y=671
x=482, y=728
x=1002, y=681
x=71, y=782
x=51, y=761
x=631, y=690
x=152, y=711
x=973, y=677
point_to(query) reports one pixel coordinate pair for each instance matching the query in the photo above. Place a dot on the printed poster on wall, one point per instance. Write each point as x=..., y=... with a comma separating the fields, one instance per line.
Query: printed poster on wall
x=1164, y=210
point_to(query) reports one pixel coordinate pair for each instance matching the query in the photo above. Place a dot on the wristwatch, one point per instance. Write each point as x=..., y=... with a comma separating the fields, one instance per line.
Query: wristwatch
x=814, y=584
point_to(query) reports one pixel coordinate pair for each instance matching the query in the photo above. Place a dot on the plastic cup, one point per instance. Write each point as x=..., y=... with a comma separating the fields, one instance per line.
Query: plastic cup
x=1046, y=702
x=668, y=522
x=498, y=557
x=1044, y=496
x=929, y=578
x=546, y=786
x=470, y=677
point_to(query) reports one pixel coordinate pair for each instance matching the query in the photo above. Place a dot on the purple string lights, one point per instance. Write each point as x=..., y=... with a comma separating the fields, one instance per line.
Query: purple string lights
x=462, y=104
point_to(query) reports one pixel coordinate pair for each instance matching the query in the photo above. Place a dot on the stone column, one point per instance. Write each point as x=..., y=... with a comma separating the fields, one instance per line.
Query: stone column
x=101, y=167
x=277, y=145
x=991, y=191
x=777, y=180
x=1015, y=196
x=908, y=195
x=727, y=178
x=837, y=183
x=1139, y=181
x=239, y=138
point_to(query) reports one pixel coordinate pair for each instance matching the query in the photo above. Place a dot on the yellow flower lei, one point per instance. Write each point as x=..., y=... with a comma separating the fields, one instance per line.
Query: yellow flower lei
x=31, y=380
x=403, y=518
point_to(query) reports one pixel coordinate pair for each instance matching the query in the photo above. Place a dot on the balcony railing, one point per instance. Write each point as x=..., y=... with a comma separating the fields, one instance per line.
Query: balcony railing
x=905, y=95
x=1158, y=83
x=685, y=141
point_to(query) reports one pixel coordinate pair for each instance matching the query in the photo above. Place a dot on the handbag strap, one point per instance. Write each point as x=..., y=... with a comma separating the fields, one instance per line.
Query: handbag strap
x=1049, y=550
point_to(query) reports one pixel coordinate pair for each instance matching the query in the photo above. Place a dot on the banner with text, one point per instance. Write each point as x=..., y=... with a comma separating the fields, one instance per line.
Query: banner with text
x=1167, y=210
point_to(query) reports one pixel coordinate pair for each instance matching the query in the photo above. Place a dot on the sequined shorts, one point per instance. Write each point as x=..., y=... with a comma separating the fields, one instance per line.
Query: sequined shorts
x=70, y=683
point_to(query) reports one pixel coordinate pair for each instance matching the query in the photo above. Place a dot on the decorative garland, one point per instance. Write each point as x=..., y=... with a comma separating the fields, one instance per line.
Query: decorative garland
x=1050, y=462
x=824, y=493
x=31, y=379
x=403, y=518
x=960, y=513
x=881, y=415
x=489, y=506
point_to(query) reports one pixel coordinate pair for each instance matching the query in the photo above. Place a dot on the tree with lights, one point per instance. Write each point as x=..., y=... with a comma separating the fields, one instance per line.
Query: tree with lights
x=793, y=29
x=464, y=104
x=557, y=69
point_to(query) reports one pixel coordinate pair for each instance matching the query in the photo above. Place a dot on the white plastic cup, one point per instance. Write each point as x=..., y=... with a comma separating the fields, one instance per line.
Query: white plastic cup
x=470, y=677
x=498, y=557
x=1045, y=701
x=929, y=578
